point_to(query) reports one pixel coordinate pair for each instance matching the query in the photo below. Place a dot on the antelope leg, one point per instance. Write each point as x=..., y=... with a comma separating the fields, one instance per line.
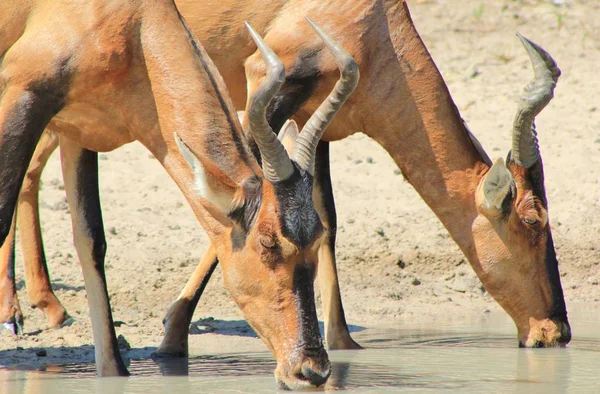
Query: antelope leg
x=80, y=172
x=179, y=316
x=23, y=116
x=10, y=311
x=337, y=335
x=39, y=289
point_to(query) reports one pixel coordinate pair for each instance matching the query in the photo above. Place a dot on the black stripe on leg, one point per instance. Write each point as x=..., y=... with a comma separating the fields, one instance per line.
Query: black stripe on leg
x=31, y=112
x=198, y=293
x=88, y=195
x=323, y=180
x=89, y=207
x=10, y=269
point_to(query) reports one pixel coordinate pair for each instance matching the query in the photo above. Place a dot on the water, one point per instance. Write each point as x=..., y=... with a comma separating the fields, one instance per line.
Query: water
x=479, y=355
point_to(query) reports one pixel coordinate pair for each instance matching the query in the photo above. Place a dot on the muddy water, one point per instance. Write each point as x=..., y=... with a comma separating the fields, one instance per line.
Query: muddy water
x=478, y=355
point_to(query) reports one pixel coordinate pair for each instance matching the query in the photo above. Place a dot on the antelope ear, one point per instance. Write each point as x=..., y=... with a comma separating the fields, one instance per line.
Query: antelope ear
x=218, y=193
x=240, y=115
x=496, y=185
x=289, y=135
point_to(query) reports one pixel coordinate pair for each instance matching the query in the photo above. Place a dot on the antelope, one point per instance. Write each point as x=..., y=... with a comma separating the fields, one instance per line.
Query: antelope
x=496, y=212
x=121, y=71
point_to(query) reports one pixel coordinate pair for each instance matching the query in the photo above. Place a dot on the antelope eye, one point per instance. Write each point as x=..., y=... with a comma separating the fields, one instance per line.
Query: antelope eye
x=267, y=241
x=530, y=221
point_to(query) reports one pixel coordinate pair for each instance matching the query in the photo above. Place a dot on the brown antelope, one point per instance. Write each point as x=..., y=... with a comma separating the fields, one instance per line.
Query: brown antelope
x=120, y=71
x=496, y=214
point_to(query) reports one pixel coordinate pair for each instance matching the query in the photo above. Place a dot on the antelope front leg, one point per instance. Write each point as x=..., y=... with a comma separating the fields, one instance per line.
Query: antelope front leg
x=24, y=114
x=80, y=173
x=10, y=311
x=179, y=316
x=39, y=289
x=336, y=329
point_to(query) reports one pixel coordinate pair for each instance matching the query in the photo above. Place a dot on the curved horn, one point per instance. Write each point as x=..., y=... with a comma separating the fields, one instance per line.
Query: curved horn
x=276, y=164
x=536, y=96
x=306, y=145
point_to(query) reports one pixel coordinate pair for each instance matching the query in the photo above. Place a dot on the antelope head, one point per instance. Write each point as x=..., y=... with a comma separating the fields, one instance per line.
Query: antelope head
x=512, y=233
x=267, y=231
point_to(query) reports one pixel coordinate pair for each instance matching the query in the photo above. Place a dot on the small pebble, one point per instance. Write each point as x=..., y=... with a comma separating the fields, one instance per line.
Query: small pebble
x=416, y=282
x=41, y=353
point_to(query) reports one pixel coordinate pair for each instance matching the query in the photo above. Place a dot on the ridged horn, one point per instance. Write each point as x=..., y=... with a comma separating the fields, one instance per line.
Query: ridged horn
x=276, y=163
x=306, y=145
x=536, y=95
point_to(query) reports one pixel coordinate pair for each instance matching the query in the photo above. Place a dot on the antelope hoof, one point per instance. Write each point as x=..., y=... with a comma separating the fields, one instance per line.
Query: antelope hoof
x=176, y=323
x=174, y=344
x=14, y=325
x=56, y=314
x=170, y=351
x=68, y=321
x=343, y=342
x=58, y=318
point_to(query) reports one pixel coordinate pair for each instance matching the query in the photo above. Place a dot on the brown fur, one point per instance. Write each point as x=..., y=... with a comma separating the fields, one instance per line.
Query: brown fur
x=403, y=103
x=131, y=71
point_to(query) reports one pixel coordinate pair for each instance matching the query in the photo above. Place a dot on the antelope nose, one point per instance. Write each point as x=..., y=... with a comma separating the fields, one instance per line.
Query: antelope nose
x=315, y=376
x=565, y=333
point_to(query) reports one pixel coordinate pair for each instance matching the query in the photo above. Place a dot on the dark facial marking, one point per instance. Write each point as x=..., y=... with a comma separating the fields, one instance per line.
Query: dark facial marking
x=535, y=177
x=309, y=336
x=558, y=309
x=300, y=222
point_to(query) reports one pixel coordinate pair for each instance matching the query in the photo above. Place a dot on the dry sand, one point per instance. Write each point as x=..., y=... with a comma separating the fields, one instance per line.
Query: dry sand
x=155, y=241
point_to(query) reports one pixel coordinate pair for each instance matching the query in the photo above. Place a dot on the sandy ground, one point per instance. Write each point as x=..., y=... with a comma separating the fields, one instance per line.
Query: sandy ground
x=155, y=241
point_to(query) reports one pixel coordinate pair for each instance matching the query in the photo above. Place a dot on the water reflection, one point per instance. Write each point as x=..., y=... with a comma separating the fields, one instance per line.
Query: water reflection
x=405, y=359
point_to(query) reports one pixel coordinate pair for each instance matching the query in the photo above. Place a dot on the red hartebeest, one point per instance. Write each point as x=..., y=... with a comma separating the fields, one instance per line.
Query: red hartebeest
x=119, y=71
x=496, y=214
